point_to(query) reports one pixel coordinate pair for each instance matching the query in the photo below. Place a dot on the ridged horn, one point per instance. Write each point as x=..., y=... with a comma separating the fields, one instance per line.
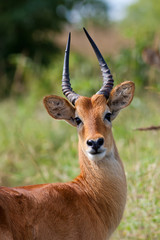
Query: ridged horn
x=108, y=81
x=66, y=86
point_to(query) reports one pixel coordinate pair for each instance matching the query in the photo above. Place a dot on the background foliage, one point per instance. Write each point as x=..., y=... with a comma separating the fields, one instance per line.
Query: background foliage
x=36, y=149
x=28, y=28
x=142, y=25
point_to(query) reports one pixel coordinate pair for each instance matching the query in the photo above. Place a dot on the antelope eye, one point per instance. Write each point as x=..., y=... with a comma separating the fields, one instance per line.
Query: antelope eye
x=108, y=116
x=78, y=120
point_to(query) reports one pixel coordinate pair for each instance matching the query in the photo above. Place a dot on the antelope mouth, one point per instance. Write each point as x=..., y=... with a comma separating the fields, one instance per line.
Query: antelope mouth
x=96, y=152
x=96, y=155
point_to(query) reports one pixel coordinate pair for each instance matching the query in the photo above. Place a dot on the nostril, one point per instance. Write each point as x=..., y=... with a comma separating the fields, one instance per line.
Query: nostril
x=90, y=143
x=95, y=144
x=100, y=142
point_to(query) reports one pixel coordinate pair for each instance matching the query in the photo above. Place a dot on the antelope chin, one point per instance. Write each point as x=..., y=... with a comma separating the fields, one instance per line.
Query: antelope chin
x=96, y=156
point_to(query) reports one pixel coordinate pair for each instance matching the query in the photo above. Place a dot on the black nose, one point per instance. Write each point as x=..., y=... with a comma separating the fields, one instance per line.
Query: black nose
x=95, y=144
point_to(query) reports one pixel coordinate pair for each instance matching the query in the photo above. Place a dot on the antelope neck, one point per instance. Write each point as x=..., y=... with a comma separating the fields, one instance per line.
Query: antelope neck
x=110, y=166
x=104, y=183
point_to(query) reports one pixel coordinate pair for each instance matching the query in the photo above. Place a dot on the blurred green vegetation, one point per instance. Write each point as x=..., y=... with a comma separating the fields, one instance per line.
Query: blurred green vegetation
x=142, y=20
x=34, y=148
x=142, y=26
x=28, y=29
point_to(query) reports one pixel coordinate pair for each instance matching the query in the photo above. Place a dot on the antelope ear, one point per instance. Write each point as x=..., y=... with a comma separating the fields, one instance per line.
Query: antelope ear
x=60, y=108
x=120, y=97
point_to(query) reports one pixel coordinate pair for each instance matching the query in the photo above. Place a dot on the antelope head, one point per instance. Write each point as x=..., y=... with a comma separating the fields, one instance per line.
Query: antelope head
x=92, y=116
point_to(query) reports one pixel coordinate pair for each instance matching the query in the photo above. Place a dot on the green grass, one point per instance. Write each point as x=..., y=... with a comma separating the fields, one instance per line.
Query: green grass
x=34, y=149
x=140, y=152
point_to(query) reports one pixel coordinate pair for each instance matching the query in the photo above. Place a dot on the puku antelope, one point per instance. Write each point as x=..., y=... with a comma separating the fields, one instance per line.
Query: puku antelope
x=91, y=206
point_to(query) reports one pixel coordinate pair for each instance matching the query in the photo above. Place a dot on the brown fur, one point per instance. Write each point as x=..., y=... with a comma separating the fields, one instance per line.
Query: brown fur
x=91, y=206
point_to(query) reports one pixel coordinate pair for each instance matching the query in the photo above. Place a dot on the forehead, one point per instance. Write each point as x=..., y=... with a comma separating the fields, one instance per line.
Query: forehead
x=96, y=104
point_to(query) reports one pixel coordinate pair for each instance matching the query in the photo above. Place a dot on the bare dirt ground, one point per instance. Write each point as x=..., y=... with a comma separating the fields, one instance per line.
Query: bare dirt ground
x=109, y=40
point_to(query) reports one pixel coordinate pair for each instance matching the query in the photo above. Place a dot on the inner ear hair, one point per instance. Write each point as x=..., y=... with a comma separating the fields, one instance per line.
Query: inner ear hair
x=55, y=106
x=59, y=108
x=120, y=97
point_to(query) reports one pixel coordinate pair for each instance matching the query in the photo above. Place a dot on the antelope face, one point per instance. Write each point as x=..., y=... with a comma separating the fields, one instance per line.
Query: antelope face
x=92, y=116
